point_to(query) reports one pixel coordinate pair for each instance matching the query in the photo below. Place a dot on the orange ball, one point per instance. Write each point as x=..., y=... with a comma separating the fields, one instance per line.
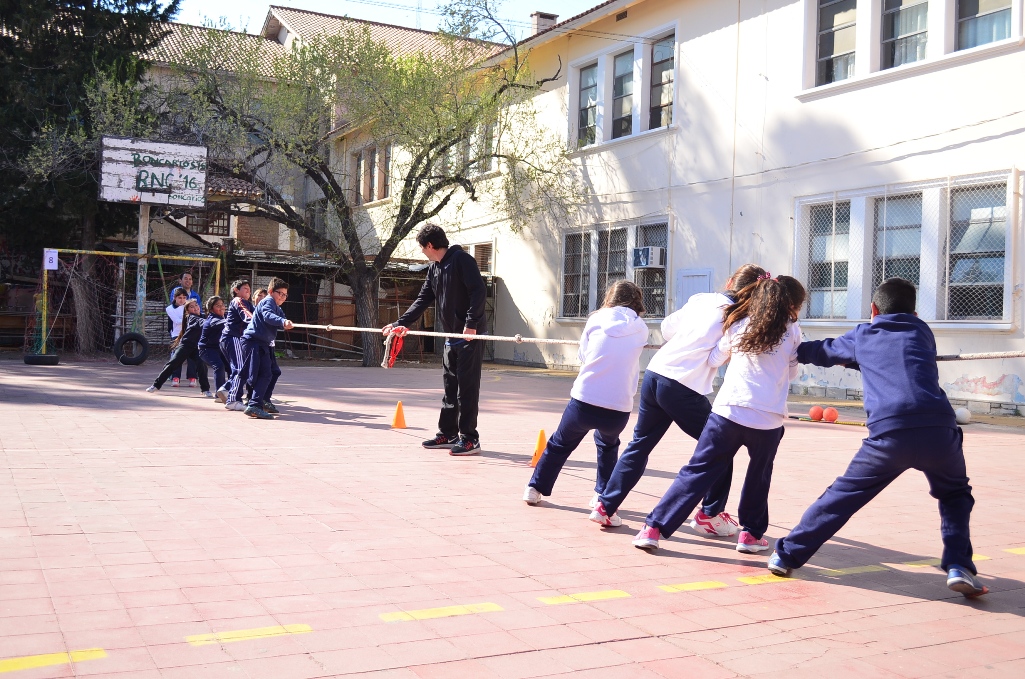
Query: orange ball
x=815, y=413
x=830, y=415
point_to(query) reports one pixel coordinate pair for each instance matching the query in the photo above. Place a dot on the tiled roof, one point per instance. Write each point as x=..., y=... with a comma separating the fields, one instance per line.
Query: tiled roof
x=306, y=24
x=232, y=187
x=183, y=37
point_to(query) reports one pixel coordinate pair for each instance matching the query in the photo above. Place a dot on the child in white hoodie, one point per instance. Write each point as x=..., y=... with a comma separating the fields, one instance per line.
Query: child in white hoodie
x=602, y=395
x=762, y=336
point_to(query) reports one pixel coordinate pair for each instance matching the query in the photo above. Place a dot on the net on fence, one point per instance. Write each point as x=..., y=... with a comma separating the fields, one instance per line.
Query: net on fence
x=91, y=302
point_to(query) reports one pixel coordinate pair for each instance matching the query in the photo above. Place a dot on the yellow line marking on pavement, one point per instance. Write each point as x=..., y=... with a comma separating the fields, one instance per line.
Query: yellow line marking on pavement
x=936, y=562
x=584, y=596
x=246, y=634
x=443, y=612
x=1016, y=550
x=693, y=586
x=854, y=570
x=29, y=662
x=764, y=579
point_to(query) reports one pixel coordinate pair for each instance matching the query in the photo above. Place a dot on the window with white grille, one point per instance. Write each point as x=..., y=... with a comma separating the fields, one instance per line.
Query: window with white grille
x=982, y=21
x=835, y=47
x=663, y=60
x=587, y=125
x=949, y=237
x=593, y=260
x=905, y=31
x=622, y=94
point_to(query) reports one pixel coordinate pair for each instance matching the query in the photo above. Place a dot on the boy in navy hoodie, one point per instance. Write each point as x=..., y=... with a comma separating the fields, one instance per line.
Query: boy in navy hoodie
x=210, y=345
x=910, y=426
x=257, y=340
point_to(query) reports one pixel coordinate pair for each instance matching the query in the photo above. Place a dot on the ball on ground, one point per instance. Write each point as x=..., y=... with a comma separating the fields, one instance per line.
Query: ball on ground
x=830, y=415
x=815, y=413
x=963, y=415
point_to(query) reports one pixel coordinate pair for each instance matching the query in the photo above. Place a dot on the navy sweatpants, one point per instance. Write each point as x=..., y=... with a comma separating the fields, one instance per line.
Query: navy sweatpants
x=935, y=451
x=578, y=419
x=663, y=402
x=263, y=371
x=214, y=359
x=275, y=373
x=236, y=351
x=716, y=448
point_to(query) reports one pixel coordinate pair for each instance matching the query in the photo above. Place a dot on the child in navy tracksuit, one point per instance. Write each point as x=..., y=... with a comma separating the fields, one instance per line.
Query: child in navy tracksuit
x=761, y=340
x=602, y=395
x=237, y=317
x=257, y=341
x=210, y=344
x=910, y=426
x=673, y=390
x=186, y=346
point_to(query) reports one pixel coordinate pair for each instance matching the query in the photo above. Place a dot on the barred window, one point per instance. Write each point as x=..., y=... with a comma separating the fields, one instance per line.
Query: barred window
x=611, y=260
x=209, y=224
x=662, y=65
x=828, y=257
x=622, y=95
x=976, y=253
x=982, y=21
x=836, y=40
x=905, y=31
x=898, y=238
x=372, y=166
x=588, y=122
x=576, y=275
x=652, y=282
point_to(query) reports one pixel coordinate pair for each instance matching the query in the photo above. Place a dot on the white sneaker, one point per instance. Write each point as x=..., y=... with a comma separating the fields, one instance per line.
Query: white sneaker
x=722, y=524
x=151, y=389
x=234, y=405
x=595, y=499
x=208, y=394
x=600, y=517
x=532, y=495
x=222, y=395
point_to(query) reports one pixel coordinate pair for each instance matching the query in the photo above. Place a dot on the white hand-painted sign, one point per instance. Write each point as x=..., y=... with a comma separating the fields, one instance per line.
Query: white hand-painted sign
x=140, y=171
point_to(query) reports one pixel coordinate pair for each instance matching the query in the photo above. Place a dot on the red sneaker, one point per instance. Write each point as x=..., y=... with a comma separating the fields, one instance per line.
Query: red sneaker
x=647, y=538
x=192, y=382
x=175, y=381
x=722, y=524
x=600, y=517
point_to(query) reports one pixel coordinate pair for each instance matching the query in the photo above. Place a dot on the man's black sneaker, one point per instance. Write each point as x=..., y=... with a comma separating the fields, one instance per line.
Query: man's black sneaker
x=466, y=447
x=441, y=441
x=268, y=407
x=258, y=413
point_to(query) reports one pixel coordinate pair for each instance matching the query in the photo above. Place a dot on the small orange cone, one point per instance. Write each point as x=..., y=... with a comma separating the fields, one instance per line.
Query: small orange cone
x=542, y=443
x=399, y=421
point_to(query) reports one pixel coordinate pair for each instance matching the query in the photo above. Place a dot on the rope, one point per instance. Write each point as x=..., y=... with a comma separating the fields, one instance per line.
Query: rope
x=520, y=339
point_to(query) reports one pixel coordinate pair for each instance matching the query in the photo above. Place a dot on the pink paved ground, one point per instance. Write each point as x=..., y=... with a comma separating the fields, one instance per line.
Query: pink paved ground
x=129, y=521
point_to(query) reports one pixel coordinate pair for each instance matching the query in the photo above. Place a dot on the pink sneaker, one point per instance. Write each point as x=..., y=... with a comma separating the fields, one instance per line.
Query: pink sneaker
x=600, y=517
x=192, y=382
x=722, y=524
x=749, y=544
x=647, y=538
x=175, y=382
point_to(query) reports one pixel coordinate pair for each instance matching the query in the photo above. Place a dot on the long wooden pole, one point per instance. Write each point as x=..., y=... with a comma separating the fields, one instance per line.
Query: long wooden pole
x=139, y=323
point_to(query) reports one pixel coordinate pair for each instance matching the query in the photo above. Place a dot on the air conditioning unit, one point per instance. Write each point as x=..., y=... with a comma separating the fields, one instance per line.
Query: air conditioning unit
x=649, y=258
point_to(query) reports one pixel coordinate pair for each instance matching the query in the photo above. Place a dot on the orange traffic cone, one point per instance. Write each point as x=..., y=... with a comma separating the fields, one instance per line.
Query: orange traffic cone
x=539, y=448
x=399, y=420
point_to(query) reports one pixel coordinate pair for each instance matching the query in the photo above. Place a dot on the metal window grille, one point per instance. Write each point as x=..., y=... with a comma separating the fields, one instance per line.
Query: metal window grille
x=209, y=224
x=898, y=238
x=652, y=282
x=980, y=22
x=622, y=95
x=828, y=259
x=611, y=260
x=836, y=40
x=588, y=121
x=976, y=252
x=663, y=59
x=905, y=31
x=482, y=253
x=576, y=275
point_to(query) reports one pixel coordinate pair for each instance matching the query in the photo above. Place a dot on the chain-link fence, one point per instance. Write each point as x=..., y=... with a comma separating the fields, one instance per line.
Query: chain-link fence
x=949, y=237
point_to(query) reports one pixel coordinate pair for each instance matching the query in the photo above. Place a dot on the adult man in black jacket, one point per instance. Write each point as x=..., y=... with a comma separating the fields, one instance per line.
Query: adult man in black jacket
x=455, y=283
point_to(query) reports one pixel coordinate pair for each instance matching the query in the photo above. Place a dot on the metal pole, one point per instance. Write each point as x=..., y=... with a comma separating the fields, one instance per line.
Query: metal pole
x=46, y=290
x=217, y=276
x=139, y=323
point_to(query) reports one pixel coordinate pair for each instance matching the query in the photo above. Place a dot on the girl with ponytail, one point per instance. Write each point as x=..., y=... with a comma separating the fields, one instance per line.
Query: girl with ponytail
x=760, y=341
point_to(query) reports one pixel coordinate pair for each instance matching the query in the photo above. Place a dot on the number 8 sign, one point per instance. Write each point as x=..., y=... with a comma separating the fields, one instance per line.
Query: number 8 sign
x=50, y=260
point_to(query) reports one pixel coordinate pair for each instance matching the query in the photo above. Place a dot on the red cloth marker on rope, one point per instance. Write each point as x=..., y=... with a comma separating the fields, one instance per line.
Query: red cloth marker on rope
x=392, y=347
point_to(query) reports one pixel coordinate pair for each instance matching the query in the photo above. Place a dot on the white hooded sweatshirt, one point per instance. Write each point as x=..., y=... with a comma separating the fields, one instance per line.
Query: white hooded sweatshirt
x=690, y=334
x=610, y=347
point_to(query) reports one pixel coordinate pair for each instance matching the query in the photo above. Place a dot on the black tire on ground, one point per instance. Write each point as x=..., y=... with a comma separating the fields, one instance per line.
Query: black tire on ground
x=140, y=343
x=42, y=359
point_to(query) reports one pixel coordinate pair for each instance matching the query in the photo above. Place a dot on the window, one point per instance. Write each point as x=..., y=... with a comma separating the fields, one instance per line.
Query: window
x=898, y=238
x=372, y=168
x=652, y=282
x=611, y=260
x=835, y=40
x=982, y=21
x=662, y=65
x=828, y=256
x=588, y=125
x=622, y=95
x=976, y=255
x=905, y=31
x=209, y=224
x=576, y=275
x=482, y=253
